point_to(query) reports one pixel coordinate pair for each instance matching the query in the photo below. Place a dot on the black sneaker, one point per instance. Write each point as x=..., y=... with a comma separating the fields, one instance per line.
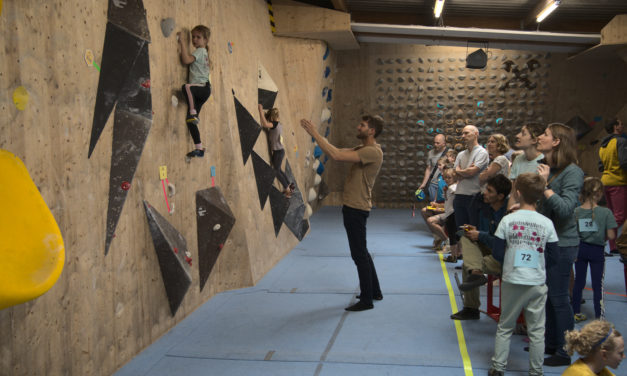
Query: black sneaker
x=359, y=306
x=557, y=361
x=374, y=297
x=196, y=153
x=493, y=372
x=474, y=280
x=466, y=314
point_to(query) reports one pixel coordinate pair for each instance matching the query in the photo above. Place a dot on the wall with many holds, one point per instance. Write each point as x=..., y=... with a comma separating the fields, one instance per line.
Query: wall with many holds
x=422, y=91
x=178, y=231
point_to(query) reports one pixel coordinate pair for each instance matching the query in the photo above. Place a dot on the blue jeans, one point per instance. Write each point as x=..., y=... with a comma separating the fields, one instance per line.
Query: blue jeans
x=355, y=225
x=559, y=312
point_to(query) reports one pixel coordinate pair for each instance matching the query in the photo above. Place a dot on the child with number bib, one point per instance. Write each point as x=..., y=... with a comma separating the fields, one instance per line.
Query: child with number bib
x=526, y=242
x=595, y=225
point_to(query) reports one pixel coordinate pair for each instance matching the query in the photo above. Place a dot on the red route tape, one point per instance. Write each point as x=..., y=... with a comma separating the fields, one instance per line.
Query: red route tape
x=165, y=194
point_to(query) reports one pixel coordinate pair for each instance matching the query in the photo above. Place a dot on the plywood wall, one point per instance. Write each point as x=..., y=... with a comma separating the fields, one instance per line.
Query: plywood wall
x=104, y=310
x=421, y=91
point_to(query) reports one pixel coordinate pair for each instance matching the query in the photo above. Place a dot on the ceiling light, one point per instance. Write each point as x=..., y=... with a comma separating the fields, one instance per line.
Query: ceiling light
x=547, y=10
x=437, y=10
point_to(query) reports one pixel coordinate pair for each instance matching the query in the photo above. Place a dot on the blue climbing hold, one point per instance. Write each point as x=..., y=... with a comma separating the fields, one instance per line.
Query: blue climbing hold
x=439, y=130
x=430, y=130
x=429, y=146
x=480, y=104
x=326, y=158
x=326, y=53
x=420, y=122
x=329, y=95
x=499, y=121
x=320, y=169
x=327, y=72
x=317, y=151
x=439, y=105
x=327, y=131
x=324, y=92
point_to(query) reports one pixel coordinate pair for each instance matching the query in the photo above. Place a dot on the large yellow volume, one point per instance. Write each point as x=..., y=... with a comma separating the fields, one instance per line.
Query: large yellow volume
x=31, y=246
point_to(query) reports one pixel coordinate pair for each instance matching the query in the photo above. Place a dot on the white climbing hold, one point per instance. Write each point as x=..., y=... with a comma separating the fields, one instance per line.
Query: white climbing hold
x=216, y=227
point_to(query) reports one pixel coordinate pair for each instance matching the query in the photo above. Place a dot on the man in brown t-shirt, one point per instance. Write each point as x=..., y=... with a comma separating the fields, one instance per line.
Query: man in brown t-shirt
x=366, y=161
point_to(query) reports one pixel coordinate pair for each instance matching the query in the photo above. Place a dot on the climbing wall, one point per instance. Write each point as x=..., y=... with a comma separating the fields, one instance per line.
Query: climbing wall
x=94, y=110
x=423, y=91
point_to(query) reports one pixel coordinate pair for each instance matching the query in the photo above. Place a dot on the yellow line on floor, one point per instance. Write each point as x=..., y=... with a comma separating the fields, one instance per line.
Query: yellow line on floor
x=458, y=325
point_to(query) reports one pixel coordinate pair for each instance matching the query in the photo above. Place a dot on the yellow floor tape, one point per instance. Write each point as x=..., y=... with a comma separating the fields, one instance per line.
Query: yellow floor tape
x=32, y=253
x=458, y=325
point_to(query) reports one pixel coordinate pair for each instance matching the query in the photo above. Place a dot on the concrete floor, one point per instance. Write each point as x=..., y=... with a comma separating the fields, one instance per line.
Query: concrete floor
x=293, y=321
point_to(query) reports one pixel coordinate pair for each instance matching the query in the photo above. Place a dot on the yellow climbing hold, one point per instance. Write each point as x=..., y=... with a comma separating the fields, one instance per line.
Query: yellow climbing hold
x=32, y=253
x=20, y=98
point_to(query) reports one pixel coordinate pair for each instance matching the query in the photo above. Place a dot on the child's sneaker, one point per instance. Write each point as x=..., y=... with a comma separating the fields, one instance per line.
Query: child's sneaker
x=289, y=190
x=579, y=317
x=196, y=153
x=193, y=119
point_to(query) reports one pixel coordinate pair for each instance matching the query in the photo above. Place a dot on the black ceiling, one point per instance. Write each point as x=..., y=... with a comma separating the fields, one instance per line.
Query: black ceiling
x=571, y=16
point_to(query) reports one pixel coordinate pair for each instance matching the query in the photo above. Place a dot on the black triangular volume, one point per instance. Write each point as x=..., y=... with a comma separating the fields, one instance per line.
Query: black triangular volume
x=129, y=135
x=214, y=221
x=120, y=51
x=296, y=210
x=279, y=205
x=266, y=98
x=264, y=176
x=174, y=258
x=131, y=125
x=248, y=128
x=130, y=16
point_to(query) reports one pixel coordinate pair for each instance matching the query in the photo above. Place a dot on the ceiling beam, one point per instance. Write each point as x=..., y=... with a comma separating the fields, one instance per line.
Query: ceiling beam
x=340, y=5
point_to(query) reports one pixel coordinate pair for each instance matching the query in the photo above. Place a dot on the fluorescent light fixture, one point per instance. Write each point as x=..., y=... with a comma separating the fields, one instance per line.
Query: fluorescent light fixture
x=437, y=10
x=546, y=11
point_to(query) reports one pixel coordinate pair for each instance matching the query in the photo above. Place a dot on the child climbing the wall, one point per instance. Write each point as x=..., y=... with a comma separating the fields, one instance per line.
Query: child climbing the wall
x=198, y=90
x=270, y=122
x=595, y=224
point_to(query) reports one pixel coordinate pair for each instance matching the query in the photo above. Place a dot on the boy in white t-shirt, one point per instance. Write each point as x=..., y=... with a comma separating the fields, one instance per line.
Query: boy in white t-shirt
x=526, y=242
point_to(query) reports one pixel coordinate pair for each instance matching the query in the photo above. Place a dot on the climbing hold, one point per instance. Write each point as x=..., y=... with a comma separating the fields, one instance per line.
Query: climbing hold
x=32, y=247
x=125, y=185
x=327, y=71
x=216, y=227
x=175, y=101
x=20, y=98
x=311, y=195
x=317, y=151
x=167, y=26
x=326, y=53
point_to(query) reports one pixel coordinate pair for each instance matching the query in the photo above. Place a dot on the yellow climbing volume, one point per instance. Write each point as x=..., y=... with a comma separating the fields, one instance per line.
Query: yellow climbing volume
x=31, y=246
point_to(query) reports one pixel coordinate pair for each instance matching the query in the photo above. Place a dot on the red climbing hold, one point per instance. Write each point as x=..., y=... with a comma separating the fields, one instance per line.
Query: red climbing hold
x=176, y=250
x=146, y=84
x=126, y=185
x=221, y=245
x=189, y=260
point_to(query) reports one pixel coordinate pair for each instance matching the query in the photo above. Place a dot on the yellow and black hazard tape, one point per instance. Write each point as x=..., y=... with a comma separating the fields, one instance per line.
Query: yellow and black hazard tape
x=271, y=14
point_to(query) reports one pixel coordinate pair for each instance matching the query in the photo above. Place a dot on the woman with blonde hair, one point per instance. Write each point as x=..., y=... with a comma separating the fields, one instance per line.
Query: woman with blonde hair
x=600, y=346
x=561, y=196
x=497, y=146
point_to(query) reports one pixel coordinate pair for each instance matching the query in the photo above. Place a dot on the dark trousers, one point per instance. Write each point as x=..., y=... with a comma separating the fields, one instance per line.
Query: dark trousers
x=559, y=312
x=595, y=256
x=355, y=225
x=195, y=96
x=277, y=159
x=462, y=206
